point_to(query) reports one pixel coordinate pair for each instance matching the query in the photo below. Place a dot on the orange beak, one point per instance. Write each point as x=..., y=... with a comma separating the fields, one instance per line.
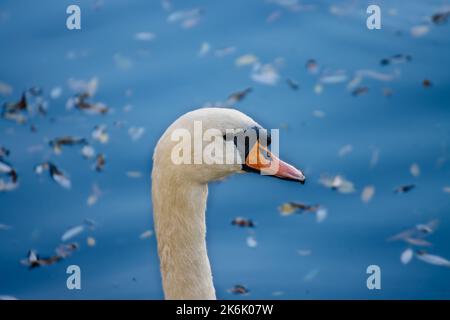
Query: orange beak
x=261, y=160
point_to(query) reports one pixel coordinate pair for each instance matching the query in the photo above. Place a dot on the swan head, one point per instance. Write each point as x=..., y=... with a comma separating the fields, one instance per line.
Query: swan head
x=212, y=143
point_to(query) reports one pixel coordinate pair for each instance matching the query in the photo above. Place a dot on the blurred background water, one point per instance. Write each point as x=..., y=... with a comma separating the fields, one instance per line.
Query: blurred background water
x=165, y=77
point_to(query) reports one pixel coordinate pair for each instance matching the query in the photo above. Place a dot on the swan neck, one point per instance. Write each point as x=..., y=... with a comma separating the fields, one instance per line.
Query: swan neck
x=179, y=214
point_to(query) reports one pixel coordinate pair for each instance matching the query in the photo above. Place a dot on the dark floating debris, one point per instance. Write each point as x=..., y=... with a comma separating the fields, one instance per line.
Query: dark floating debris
x=404, y=188
x=14, y=111
x=312, y=66
x=293, y=84
x=4, y=152
x=360, y=91
x=8, y=170
x=440, y=17
x=57, y=143
x=427, y=83
x=242, y=222
x=289, y=208
x=55, y=173
x=81, y=103
x=238, y=96
x=239, y=289
x=33, y=260
x=100, y=162
x=396, y=59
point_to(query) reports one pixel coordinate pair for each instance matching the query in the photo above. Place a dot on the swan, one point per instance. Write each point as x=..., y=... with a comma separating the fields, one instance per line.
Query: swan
x=179, y=194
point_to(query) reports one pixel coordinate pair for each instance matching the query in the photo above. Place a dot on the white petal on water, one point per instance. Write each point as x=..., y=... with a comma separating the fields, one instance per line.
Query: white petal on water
x=222, y=52
x=251, y=242
x=245, y=60
x=433, y=259
x=88, y=151
x=63, y=181
x=333, y=78
x=266, y=74
x=321, y=215
x=304, y=252
x=4, y=227
x=134, y=174
x=406, y=256
x=419, y=31
x=367, y=193
x=311, y=275
x=348, y=148
x=5, y=89
x=318, y=89
x=56, y=92
x=72, y=232
x=91, y=242
x=414, y=169
x=6, y=297
x=374, y=157
x=5, y=168
x=319, y=114
x=122, y=62
x=80, y=86
x=146, y=234
x=204, y=49
x=136, y=132
x=418, y=242
x=446, y=189
x=144, y=36
x=360, y=75
x=99, y=133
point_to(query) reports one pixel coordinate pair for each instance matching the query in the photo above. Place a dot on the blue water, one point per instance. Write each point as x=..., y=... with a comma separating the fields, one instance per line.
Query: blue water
x=165, y=78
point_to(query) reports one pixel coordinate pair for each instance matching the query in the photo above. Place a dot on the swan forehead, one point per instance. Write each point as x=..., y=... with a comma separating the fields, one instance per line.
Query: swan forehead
x=217, y=118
